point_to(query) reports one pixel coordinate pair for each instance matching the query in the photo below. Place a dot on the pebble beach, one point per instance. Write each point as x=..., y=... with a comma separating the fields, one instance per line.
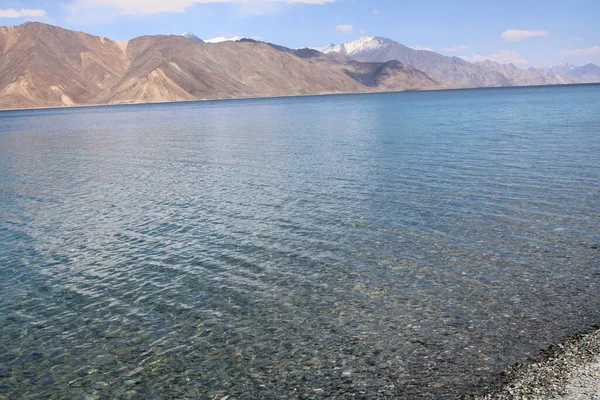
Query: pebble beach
x=567, y=371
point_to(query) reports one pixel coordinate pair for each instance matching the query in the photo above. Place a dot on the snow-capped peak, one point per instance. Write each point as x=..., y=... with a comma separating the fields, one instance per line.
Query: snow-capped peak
x=563, y=66
x=360, y=45
x=190, y=35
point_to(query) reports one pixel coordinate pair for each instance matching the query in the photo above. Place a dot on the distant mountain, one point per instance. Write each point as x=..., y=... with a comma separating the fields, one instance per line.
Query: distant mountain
x=563, y=68
x=450, y=70
x=45, y=66
x=189, y=35
x=369, y=48
x=588, y=73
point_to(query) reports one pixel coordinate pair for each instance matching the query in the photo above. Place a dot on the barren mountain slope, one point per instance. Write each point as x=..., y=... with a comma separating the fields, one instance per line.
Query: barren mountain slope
x=43, y=65
x=169, y=68
x=391, y=76
x=378, y=76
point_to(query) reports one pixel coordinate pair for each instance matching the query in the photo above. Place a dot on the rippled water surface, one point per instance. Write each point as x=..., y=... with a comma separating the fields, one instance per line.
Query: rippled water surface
x=361, y=246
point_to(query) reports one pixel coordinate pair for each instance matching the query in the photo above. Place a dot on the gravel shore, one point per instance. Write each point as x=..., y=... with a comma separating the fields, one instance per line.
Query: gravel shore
x=570, y=370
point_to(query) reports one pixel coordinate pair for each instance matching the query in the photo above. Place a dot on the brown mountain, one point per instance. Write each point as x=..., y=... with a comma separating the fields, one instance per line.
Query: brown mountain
x=44, y=65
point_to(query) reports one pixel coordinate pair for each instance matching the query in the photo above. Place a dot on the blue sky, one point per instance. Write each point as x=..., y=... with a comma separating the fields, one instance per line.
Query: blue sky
x=525, y=32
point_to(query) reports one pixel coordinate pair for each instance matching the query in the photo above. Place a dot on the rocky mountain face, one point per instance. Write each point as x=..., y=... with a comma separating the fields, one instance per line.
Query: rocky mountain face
x=450, y=70
x=169, y=68
x=43, y=65
x=588, y=73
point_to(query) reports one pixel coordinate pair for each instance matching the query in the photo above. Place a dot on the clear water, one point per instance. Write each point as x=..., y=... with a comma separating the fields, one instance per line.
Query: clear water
x=364, y=246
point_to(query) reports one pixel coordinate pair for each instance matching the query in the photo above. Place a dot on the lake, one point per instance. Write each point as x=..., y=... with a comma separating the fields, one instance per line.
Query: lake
x=391, y=245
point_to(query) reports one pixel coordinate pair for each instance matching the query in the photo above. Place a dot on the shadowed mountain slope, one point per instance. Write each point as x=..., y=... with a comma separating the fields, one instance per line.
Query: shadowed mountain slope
x=379, y=76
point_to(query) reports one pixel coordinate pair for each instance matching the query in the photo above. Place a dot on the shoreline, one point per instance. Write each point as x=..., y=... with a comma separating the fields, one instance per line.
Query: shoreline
x=569, y=370
x=285, y=96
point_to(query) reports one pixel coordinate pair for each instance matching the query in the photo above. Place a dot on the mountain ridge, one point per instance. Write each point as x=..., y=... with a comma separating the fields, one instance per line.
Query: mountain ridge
x=47, y=66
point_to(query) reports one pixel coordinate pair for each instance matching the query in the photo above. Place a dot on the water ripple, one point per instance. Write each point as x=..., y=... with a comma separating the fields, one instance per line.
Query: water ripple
x=371, y=246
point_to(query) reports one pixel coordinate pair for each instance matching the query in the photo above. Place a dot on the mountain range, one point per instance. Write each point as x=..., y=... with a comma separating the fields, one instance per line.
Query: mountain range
x=46, y=66
x=450, y=70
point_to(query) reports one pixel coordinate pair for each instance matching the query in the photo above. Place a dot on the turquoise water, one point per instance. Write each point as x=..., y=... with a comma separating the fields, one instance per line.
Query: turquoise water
x=365, y=246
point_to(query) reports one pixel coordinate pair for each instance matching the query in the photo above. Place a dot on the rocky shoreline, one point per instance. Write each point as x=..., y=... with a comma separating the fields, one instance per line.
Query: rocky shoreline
x=569, y=370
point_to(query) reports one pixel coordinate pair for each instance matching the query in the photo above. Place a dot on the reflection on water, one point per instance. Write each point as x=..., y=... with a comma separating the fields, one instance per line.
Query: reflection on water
x=388, y=245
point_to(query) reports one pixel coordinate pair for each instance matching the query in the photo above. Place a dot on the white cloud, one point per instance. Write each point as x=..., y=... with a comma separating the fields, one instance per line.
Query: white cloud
x=515, y=35
x=590, y=51
x=502, y=57
x=344, y=28
x=460, y=47
x=419, y=47
x=12, y=13
x=376, y=11
x=129, y=7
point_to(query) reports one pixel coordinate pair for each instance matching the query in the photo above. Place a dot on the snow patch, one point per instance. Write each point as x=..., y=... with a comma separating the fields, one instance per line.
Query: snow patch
x=360, y=45
x=221, y=39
